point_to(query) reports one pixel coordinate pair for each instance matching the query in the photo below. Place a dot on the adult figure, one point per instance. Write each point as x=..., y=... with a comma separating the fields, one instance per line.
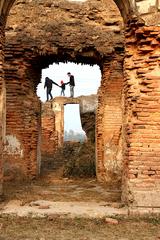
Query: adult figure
x=48, y=84
x=71, y=83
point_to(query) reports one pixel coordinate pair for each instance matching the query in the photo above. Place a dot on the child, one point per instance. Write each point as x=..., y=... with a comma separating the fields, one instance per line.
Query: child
x=63, y=86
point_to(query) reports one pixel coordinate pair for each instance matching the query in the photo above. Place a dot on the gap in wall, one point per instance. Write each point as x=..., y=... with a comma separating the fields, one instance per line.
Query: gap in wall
x=73, y=131
x=82, y=152
x=87, y=79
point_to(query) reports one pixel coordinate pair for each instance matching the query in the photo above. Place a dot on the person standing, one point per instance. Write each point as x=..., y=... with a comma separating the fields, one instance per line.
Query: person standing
x=63, y=87
x=71, y=83
x=48, y=84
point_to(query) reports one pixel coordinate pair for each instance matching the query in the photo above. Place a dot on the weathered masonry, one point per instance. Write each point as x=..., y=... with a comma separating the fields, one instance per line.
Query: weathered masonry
x=29, y=48
x=53, y=124
x=53, y=120
x=134, y=138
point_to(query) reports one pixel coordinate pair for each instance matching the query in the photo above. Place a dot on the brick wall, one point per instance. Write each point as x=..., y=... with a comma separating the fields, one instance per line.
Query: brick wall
x=49, y=142
x=53, y=124
x=109, y=123
x=53, y=121
x=141, y=175
x=2, y=104
x=23, y=118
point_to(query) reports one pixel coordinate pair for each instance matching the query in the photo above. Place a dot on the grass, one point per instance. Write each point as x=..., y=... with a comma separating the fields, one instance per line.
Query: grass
x=56, y=228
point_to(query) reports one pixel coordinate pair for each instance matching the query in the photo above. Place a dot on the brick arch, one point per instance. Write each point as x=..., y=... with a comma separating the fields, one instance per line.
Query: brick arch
x=124, y=6
x=5, y=6
x=43, y=55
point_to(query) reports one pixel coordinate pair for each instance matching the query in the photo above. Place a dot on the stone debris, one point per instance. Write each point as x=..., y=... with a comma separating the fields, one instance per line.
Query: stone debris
x=44, y=207
x=1, y=226
x=111, y=221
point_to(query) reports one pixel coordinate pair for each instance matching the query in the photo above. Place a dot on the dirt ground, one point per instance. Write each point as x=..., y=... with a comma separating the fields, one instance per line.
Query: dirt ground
x=56, y=227
x=77, y=229
x=54, y=188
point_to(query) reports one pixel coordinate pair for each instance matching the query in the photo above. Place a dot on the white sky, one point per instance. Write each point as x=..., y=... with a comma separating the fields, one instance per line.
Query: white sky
x=72, y=118
x=87, y=81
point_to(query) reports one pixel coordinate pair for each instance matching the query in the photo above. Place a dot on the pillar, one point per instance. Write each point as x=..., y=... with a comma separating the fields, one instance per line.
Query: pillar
x=109, y=123
x=23, y=135
x=141, y=119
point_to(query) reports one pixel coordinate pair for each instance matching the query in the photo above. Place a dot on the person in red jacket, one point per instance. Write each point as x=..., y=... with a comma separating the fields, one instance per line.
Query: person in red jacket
x=63, y=87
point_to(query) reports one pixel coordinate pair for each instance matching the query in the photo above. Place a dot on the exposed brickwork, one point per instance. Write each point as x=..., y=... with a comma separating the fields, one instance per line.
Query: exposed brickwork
x=49, y=142
x=53, y=124
x=109, y=122
x=146, y=9
x=22, y=149
x=31, y=47
x=50, y=22
x=53, y=120
x=141, y=166
x=2, y=104
x=141, y=180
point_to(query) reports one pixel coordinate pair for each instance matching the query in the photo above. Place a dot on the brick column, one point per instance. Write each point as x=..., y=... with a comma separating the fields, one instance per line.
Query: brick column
x=49, y=134
x=109, y=123
x=22, y=150
x=58, y=109
x=141, y=175
x=2, y=103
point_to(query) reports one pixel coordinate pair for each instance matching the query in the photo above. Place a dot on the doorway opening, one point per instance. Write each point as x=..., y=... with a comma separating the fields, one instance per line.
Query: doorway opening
x=73, y=121
x=73, y=131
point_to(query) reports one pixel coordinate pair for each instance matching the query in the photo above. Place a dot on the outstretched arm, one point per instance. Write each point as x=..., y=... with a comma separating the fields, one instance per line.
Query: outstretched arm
x=54, y=83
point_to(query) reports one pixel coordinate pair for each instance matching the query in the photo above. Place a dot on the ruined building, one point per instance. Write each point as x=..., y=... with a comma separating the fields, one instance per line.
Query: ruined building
x=127, y=125
x=53, y=33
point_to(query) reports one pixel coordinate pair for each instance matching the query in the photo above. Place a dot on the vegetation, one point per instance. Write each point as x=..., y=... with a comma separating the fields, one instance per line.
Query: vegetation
x=80, y=160
x=74, y=136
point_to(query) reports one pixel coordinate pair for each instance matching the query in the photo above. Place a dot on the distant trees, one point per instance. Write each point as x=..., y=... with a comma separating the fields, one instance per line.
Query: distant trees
x=74, y=136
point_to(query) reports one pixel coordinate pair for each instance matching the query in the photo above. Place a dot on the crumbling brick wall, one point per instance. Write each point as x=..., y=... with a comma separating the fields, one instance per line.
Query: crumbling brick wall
x=109, y=123
x=53, y=121
x=23, y=116
x=49, y=143
x=53, y=124
x=32, y=45
x=2, y=103
x=141, y=110
x=141, y=167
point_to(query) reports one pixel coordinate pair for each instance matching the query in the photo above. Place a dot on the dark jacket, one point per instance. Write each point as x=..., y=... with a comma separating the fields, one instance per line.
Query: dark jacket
x=49, y=82
x=63, y=85
x=71, y=81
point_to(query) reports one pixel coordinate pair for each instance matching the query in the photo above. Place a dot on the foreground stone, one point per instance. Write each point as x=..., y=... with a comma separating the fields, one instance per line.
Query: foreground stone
x=67, y=209
x=111, y=221
x=88, y=210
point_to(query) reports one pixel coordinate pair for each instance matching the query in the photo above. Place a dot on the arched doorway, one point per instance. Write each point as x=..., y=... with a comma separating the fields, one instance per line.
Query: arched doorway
x=141, y=65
